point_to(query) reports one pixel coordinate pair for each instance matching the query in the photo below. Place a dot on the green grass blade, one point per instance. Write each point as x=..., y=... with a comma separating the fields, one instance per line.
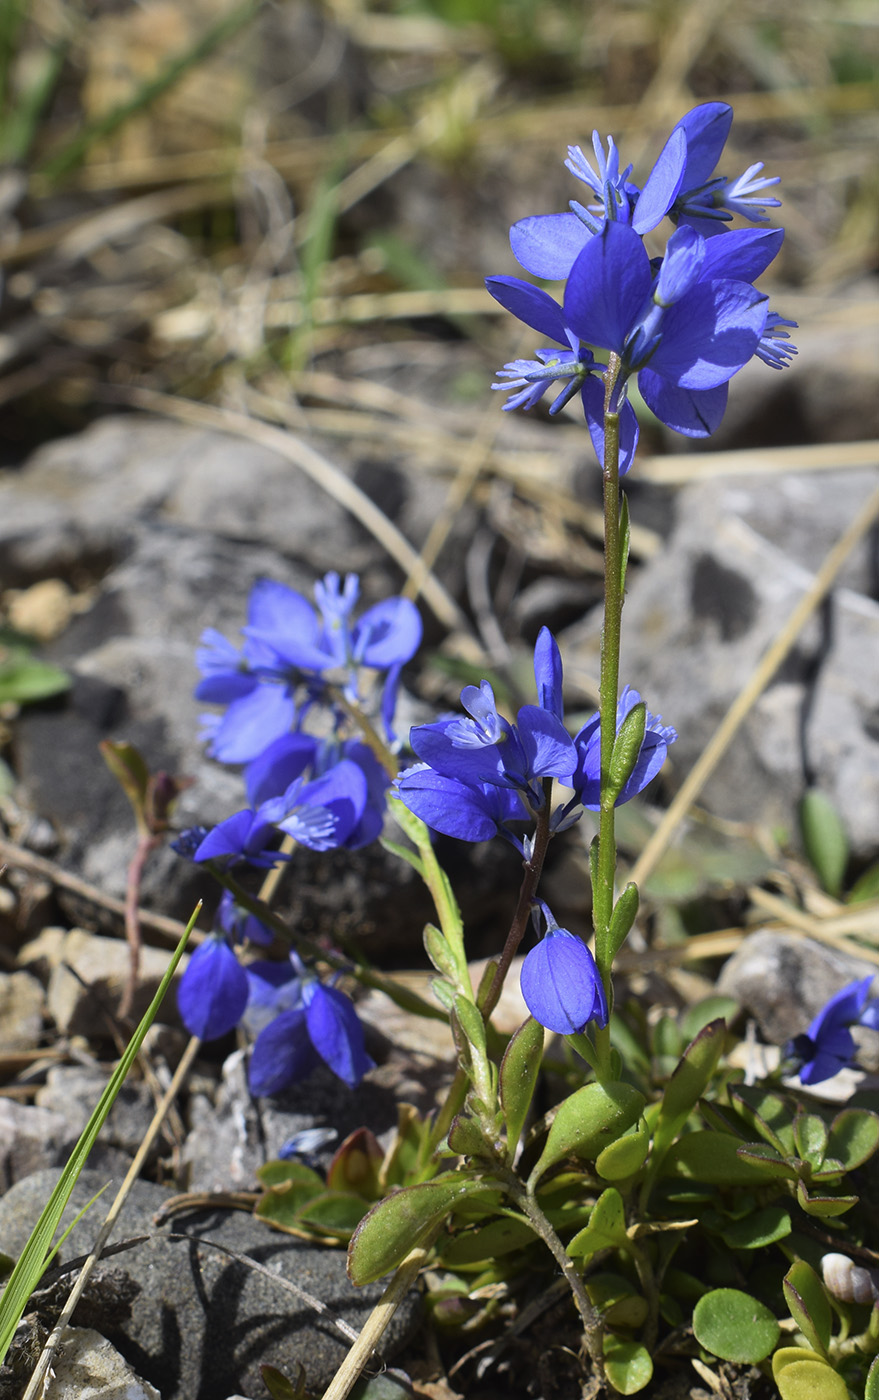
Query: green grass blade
x=27, y=1272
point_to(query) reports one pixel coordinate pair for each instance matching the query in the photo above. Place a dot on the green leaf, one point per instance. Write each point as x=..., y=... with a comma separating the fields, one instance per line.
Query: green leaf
x=871, y=1387
x=489, y=1242
x=809, y=1305
x=824, y=1207
x=32, y=1260
x=384, y=1386
x=280, y=1387
x=439, y=952
x=471, y=1022
x=401, y=1222
x=518, y=1075
x=294, y=1178
x=588, y=1121
x=713, y=1157
x=627, y=1364
x=616, y=1300
x=801, y=1375
x=334, y=1213
x=24, y=678
x=762, y=1228
x=467, y=1138
x=356, y=1165
x=854, y=1137
x=606, y=1228
x=624, y=541
x=621, y=920
x=824, y=839
x=626, y=1156
x=626, y=748
x=686, y=1086
x=735, y=1326
x=810, y=1138
x=404, y=1155
x=283, y=1202
x=866, y=887
x=765, y=1156
x=768, y=1113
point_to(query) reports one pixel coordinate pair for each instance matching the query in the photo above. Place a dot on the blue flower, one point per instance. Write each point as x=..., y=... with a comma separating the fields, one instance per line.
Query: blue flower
x=576, y=366
x=683, y=333
x=828, y=1045
x=213, y=990
x=707, y=201
x=469, y=811
x=320, y=1024
x=586, y=780
x=561, y=984
x=238, y=924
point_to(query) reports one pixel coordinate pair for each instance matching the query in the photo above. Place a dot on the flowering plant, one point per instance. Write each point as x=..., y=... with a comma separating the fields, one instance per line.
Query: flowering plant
x=657, y=1128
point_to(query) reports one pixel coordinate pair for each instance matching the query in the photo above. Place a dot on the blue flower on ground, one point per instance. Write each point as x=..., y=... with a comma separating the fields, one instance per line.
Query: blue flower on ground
x=317, y=1023
x=828, y=1045
x=213, y=990
x=238, y=924
x=586, y=781
x=561, y=984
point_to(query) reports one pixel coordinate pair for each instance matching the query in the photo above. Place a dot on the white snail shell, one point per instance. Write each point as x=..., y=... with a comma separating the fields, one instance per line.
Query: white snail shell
x=848, y=1281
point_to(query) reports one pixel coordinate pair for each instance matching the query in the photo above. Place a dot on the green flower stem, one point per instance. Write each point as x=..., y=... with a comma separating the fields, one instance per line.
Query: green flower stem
x=527, y=890
x=605, y=866
x=592, y=1324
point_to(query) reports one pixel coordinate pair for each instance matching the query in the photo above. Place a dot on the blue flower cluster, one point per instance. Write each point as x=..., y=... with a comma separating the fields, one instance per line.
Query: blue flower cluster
x=681, y=325
x=483, y=776
x=298, y=663
x=298, y=667
x=828, y=1045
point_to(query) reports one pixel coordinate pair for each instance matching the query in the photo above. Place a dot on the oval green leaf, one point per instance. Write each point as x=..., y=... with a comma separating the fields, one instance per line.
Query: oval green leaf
x=825, y=839
x=756, y=1231
x=627, y=1364
x=809, y=1305
x=808, y=1378
x=625, y=1156
x=854, y=1137
x=715, y=1158
x=518, y=1075
x=735, y=1326
x=589, y=1121
x=401, y=1222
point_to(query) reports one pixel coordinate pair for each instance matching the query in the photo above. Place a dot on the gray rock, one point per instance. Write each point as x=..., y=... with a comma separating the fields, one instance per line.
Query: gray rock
x=203, y=1323
x=73, y=1091
x=784, y=979
x=87, y=981
x=231, y=1139
x=30, y=1138
x=699, y=616
x=88, y=1367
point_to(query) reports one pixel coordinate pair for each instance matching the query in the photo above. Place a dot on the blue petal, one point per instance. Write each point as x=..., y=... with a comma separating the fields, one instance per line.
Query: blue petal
x=608, y=287
x=693, y=412
x=548, y=747
x=252, y=723
x=592, y=394
x=841, y=1010
x=229, y=837
x=272, y=772
x=532, y=305
x=283, y=1054
x=388, y=633
x=336, y=1033
x=706, y=128
x=709, y=334
x=547, y=245
x=663, y=183
x=213, y=990
x=548, y=673
x=741, y=254
x=431, y=743
x=469, y=812
x=561, y=985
